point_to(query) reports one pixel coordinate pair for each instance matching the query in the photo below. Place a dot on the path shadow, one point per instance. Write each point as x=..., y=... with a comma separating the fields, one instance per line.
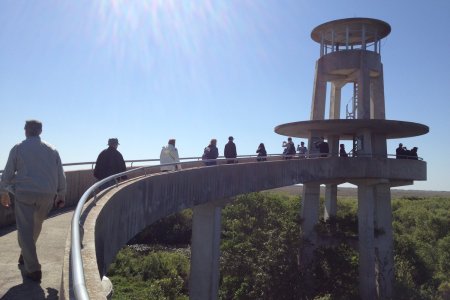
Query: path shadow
x=30, y=290
x=54, y=213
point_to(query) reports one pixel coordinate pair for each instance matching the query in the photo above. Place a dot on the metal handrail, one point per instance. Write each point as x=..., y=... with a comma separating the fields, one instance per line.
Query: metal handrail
x=307, y=155
x=79, y=284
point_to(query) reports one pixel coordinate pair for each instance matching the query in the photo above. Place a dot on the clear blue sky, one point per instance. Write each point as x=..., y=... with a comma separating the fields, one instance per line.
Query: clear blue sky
x=146, y=71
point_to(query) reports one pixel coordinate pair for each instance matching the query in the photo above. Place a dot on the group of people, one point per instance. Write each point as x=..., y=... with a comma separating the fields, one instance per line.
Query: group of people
x=403, y=153
x=169, y=157
x=321, y=145
x=34, y=175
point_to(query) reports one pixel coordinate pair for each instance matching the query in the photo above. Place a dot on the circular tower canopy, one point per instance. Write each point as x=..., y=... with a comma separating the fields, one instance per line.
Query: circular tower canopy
x=348, y=31
x=347, y=129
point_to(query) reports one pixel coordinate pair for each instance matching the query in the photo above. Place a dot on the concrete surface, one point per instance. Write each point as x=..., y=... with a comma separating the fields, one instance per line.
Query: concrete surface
x=50, y=248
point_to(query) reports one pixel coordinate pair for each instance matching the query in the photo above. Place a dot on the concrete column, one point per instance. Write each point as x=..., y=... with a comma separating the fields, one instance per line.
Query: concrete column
x=205, y=252
x=379, y=146
x=330, y=207
x=363, y=90
x=377, y=95
x=333, y=143
x=310, y=217
x=310, y=208
x=365, y=137
x=319, y=96
x=335, y=101
x=366, y=203
x=384, y=242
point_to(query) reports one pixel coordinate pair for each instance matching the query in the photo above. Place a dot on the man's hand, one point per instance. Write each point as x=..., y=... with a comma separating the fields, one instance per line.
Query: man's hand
x=5, y=200
x=59, y=202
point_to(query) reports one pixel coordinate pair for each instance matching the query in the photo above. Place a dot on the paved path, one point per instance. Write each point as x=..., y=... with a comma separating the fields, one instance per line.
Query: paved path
x=50, y=246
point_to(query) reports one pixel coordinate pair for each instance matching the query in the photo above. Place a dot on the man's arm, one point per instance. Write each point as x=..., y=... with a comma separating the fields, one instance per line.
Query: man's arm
x=62, y=185
x=9, y=172
x=98, y=169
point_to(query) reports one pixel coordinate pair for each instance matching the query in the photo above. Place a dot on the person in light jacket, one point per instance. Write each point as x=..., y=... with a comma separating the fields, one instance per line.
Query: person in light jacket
x=35, y=176
x=169, y=155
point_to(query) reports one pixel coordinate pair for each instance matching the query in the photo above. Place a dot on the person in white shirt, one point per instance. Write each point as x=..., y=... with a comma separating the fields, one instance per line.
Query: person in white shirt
x=169, y=155
x=35, y=176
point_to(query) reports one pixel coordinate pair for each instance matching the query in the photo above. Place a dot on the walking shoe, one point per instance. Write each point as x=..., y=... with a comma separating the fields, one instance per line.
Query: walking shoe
x=21, y=260
x=35, y=276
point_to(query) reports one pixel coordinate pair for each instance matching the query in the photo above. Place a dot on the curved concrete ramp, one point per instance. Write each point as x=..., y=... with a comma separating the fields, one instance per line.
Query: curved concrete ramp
x=124, y=211
x=50, y=245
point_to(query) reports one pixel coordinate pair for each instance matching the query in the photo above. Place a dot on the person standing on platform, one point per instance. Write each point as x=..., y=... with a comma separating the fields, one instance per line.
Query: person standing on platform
x=400, y=152
x=302, y=150
x=35, y=176
x=324, y=149
x=342, y=152
x=262, y=153
x=109, y=162
x=210, y=153
x=169, y=155
x=289, y=150
x=230, y=151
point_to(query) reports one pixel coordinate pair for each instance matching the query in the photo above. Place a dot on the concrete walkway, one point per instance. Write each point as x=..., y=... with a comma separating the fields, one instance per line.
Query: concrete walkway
x=50, y=246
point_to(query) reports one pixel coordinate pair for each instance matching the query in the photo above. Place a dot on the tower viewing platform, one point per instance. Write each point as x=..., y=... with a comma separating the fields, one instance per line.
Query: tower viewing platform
x=350, y=53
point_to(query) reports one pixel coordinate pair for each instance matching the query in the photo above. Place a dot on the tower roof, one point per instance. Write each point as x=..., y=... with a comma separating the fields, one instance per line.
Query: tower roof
x=336, y=31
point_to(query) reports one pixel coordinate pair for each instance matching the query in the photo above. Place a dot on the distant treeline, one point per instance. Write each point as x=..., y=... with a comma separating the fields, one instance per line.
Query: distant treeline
x=260, y=253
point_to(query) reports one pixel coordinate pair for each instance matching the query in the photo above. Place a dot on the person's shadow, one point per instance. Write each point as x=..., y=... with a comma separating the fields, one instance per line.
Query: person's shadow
x=30, y=290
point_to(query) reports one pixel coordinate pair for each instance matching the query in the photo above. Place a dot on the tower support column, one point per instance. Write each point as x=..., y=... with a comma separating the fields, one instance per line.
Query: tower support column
x=363, y=90
x=384, y=246
x=310, y=217
x=319, y=96
x=366, y=206
x=377, y=97
x=205, y=252
x=330, y=205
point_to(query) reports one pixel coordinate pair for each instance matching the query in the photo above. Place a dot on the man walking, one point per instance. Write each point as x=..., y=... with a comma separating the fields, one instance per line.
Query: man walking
x=230, y=151
x=109, y=162
x=34, y=175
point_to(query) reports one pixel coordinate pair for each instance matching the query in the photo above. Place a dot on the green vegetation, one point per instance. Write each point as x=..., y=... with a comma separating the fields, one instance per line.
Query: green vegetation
x=154, y=275
x=260, y=248
x=260, y=253
x=422, y=247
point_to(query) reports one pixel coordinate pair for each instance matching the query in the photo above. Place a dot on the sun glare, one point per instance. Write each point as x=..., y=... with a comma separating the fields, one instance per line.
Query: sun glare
x=143, y=29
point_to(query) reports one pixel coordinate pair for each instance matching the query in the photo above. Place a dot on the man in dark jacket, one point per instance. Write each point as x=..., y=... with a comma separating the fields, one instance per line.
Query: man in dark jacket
x=230, y=151
x=289, y=151
x=324, y=149
x=400, y=152
x=109, y=162
x=211, y=153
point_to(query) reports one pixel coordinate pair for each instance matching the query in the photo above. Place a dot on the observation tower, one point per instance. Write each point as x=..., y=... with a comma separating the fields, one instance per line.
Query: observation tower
x=350, y=53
